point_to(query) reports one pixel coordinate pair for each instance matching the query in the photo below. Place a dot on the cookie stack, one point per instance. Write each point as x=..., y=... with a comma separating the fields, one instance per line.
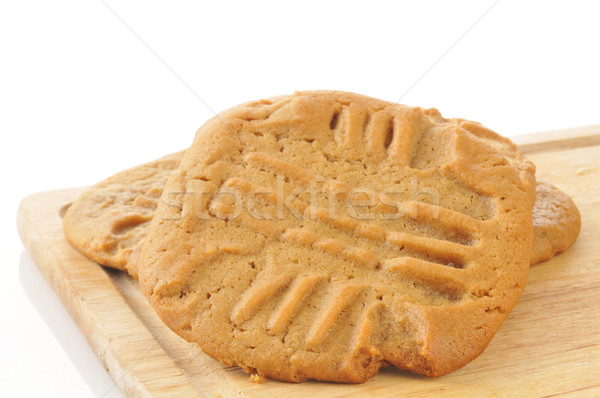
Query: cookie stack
x=325, y=234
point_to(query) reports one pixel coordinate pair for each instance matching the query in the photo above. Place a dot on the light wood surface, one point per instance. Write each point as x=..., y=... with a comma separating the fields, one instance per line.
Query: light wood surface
x=548, y=346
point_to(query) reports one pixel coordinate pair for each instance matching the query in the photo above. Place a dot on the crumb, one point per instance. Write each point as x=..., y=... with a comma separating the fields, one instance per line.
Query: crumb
x=256, y=378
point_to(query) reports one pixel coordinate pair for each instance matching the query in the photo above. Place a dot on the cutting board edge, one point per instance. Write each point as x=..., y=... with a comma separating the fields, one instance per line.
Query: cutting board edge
x=48, y=262
x=556, y=140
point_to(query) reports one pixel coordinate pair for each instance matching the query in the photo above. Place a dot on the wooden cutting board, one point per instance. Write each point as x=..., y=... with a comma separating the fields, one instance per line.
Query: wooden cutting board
x=548, y=346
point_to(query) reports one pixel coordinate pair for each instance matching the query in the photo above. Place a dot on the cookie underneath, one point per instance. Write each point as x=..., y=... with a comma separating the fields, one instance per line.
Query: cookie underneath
x=556, y=223
x=107, y=222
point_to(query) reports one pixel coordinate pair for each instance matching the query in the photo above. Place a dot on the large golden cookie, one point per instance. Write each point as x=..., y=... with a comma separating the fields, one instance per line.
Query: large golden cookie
x=325, y=234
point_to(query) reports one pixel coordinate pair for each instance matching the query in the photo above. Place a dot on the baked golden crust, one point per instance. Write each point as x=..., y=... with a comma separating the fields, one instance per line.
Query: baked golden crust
x=286, y=290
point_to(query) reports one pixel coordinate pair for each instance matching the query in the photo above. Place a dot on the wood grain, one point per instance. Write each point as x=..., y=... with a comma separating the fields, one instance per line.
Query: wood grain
x=549, y=345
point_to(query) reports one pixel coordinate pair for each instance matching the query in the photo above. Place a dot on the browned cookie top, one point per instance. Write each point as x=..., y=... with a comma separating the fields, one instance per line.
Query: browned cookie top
x=322, y=234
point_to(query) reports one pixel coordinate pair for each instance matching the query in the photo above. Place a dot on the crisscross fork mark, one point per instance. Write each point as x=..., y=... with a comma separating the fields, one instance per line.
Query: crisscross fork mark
x=443, y=252
x=414, y=209
x=298, y=291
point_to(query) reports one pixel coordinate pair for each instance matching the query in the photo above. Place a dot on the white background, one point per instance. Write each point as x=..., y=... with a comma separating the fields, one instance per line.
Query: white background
x=81, y=97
